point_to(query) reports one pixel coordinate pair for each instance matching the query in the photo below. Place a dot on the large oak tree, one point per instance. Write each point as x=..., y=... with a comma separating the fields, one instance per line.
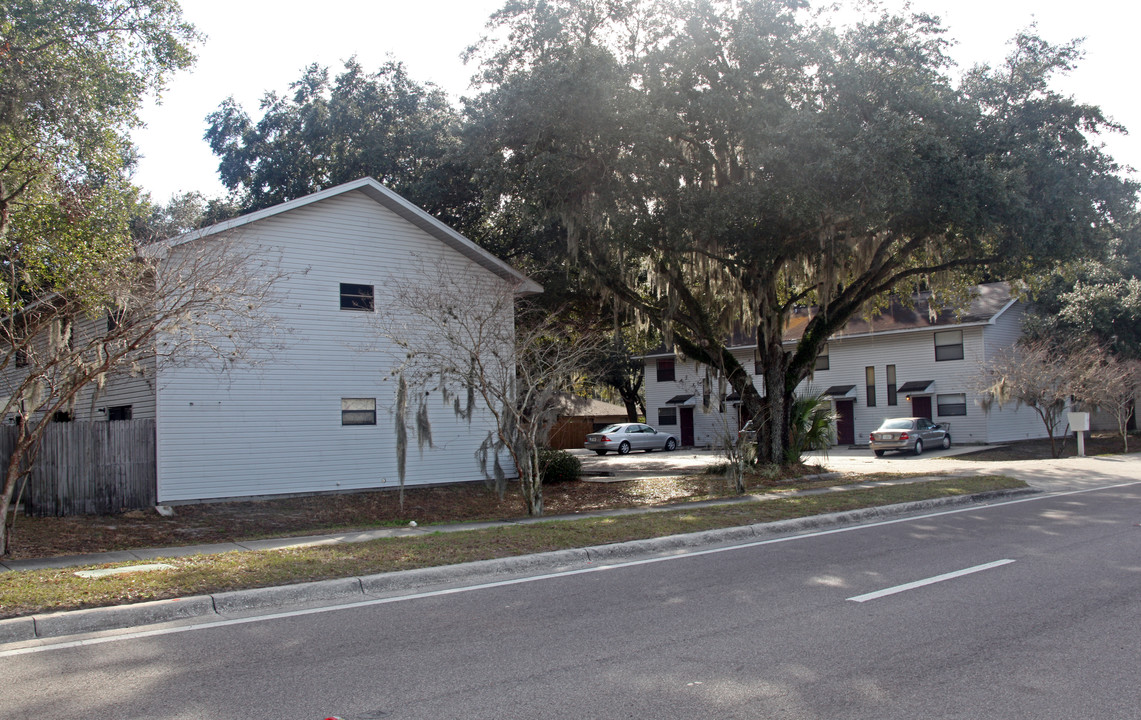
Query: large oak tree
x=714, y=164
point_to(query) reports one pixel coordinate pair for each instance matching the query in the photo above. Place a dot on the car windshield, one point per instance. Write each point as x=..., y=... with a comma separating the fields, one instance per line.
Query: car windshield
x=896, y=425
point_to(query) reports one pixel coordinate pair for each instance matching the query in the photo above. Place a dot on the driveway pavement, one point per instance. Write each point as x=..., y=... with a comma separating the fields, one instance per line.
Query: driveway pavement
x=1049, y=475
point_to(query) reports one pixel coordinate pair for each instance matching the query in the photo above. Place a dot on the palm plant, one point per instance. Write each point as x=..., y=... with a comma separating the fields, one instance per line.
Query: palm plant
x=812, y=425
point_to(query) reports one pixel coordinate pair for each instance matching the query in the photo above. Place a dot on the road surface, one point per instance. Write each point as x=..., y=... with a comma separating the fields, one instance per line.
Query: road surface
x=1029, y=609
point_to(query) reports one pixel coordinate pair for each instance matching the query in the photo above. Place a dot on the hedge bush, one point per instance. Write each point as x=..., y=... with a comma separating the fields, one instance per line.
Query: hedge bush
x=558, y=466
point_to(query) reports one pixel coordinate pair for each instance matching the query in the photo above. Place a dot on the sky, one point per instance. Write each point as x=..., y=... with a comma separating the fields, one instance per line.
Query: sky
x=255, y=46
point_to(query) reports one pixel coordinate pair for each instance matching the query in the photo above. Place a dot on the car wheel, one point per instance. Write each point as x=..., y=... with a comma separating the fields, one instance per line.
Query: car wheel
x=600, y=452
x=671, y=444
x=946, y=442
x=879, y=453
x=918, y=447
x=624, y=448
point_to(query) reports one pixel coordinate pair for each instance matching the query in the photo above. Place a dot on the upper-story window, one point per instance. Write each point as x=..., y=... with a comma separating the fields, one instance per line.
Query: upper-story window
x=357, y=297
x=665, y=369
x=822, y=359
x=358, y=411
x=22, y=359
x=870, y=381
x=949, y=345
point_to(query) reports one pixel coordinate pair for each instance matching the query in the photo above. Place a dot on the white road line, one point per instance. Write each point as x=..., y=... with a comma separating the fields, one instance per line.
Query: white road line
x=929, y=581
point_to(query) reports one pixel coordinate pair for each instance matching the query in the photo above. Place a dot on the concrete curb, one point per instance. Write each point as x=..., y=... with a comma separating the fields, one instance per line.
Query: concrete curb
x=74, y=622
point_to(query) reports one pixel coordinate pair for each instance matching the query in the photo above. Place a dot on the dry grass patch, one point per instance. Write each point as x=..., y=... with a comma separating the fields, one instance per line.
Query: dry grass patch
x=28, y=592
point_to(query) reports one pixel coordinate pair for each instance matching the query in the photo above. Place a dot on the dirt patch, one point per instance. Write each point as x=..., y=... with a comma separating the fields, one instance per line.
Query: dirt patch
x=1096, y=444
x=236, y=521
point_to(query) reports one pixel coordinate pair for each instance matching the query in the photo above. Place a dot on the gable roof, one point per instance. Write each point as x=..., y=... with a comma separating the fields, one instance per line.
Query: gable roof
x=988, y=302
x=387, y=198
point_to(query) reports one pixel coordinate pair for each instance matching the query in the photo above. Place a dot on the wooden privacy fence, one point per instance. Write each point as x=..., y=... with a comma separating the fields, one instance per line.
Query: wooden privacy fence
x=89, y=468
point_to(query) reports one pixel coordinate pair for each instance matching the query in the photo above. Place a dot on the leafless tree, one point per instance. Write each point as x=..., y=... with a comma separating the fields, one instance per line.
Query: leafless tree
x=1038, y=375
x=485, y=349
x=202, y=302
x=1109, y=384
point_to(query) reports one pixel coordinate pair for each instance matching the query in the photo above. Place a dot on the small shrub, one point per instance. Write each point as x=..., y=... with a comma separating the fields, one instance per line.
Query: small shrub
x=558, y=466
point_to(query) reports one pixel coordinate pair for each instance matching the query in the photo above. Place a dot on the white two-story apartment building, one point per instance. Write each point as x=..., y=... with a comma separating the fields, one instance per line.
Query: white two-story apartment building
x=904, y=361
x=320, y=413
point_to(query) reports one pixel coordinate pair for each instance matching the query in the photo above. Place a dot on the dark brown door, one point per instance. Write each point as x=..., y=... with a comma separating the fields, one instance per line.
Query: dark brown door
x=845, y=422
x=686, y=419
x=921, y=406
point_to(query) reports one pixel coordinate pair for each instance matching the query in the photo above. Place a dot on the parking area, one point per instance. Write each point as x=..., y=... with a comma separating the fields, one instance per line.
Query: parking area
x=689, y=461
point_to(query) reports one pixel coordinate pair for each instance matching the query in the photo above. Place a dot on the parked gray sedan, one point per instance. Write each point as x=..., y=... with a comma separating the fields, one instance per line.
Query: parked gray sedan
x=624, y=437
x=909, y=434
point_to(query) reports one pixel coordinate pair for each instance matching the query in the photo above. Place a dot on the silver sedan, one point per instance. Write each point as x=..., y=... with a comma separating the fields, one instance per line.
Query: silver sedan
x=624, y=437
x=910, y=434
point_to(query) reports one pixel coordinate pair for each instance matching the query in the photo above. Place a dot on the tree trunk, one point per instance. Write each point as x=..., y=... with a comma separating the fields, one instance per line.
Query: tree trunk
x=631, y=408
x=12, y=475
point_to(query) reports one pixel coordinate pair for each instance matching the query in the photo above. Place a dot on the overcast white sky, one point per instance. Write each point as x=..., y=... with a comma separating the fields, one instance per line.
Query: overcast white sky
x=254, y=46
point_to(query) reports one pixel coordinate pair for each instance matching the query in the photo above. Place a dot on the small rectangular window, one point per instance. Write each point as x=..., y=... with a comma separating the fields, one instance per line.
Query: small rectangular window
x=892, y=397
x=951, y=404
x=667, y=416
x=358, y=411
x=665, y=369
x=870, y=380
x=822, y=362
x=119, y=412
x=758, y=366
x=357, y=297
x=22, y=359
x=949, y=345
x=115, y=318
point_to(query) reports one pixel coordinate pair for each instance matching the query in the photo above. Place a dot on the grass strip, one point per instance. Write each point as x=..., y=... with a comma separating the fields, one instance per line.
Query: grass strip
x=37, y=591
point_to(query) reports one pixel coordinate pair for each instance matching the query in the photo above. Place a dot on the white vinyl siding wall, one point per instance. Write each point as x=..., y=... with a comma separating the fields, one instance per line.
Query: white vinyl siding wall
x=1008, y=423
x=912, y=352
x=709, y=424
x=132, y=386
x=277, y=428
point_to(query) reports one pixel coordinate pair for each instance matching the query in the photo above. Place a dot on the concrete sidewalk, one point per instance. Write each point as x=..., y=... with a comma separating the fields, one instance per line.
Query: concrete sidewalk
x=151, y=554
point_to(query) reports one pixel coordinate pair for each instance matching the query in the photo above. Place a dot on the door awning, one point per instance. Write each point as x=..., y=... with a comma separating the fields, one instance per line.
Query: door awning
x=841, y=391
x=733, y=397
x=916, y=387
x=681, y=400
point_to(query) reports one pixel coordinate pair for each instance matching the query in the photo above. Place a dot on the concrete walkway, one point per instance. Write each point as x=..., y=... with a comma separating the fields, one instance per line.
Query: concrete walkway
x=150, y=554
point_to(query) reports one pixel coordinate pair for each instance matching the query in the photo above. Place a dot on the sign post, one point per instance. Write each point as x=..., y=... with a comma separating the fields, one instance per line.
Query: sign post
x=1079, y=423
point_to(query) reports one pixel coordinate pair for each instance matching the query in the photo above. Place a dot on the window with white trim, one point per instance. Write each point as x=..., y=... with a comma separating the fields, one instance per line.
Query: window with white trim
x=667, y=416
x=357, y=297
x=358, y=411
x=665, y=369
x=949, y=345
x=822, y=362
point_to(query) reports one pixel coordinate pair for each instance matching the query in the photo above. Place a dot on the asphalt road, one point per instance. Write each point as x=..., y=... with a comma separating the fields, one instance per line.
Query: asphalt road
x=1045, y=623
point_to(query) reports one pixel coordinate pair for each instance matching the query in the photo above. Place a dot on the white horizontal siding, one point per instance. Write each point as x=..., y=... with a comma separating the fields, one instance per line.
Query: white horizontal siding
x=276, y=428
x=913, y=355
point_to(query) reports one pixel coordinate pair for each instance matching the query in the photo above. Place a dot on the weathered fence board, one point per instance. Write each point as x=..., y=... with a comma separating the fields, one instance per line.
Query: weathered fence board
x=89, y=468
